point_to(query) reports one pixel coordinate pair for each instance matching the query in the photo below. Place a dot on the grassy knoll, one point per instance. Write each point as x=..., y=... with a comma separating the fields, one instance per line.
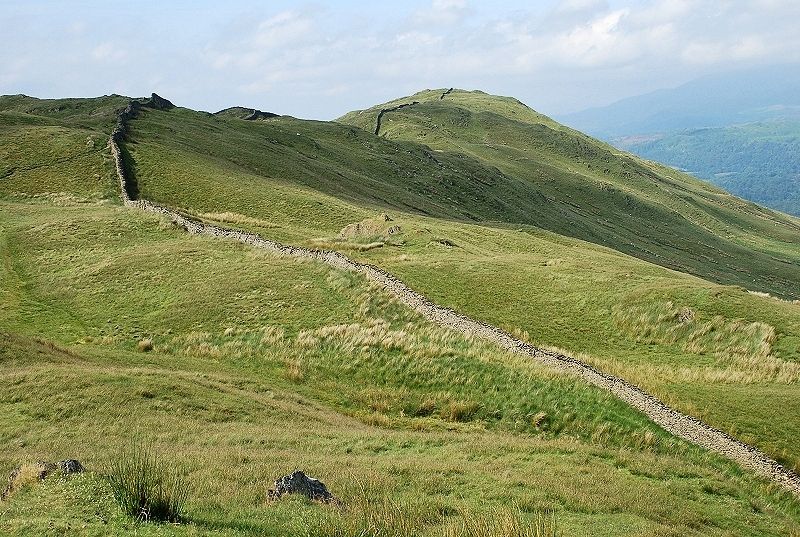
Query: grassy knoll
x=282, y=364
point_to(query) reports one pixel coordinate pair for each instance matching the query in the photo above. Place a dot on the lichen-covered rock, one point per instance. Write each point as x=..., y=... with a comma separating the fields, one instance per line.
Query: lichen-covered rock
x=299, y=483
x=70, y=466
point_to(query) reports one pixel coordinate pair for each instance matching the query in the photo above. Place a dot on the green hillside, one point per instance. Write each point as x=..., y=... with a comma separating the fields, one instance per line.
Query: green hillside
x=580, y=187
x=262, y=364
x=756, y=161
x=415, y=427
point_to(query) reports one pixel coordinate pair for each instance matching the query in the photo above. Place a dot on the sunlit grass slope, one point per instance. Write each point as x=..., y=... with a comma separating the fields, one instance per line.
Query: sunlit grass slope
x=249, y=345
x=262, y=364
x=581, y=187
x=56, y=147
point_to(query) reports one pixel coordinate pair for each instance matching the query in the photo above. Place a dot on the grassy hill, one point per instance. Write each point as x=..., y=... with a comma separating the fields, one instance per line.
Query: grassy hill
x=577, y=186
x=564, y=292
x=262, y=364
x=757, y=161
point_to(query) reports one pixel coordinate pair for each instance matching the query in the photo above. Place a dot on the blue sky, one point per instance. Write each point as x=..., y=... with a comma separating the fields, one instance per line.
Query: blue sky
x=321, y=59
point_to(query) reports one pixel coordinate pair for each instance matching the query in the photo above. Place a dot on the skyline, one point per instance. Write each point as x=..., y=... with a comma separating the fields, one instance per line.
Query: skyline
x=320, y=60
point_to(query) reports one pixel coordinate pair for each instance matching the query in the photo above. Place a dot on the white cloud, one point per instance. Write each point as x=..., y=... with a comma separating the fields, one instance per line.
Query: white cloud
x=556, y=55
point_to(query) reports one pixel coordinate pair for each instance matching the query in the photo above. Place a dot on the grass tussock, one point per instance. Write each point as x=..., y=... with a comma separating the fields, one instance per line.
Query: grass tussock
x=147, y=487
x=25, y=475
x=379, y=515
x=667, y=323
x=742, y=350
x=145, y=345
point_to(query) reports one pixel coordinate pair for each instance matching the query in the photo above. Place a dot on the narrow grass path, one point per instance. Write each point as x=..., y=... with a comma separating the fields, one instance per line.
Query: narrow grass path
x=677, y=423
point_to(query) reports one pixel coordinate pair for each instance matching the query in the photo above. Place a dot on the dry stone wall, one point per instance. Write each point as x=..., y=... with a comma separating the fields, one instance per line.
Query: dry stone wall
x=681, y=425
x=392, y=109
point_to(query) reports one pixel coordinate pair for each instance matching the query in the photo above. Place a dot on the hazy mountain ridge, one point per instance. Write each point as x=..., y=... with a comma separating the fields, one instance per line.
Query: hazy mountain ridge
x=738, y=130
x=720, y=100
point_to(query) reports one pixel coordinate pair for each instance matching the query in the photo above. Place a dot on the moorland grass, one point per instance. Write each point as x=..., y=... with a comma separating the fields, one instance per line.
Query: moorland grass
x=359, y=414
x=565, y=293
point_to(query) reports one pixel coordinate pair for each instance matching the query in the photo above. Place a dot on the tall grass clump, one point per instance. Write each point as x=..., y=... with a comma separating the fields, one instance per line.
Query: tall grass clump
x=147, y=487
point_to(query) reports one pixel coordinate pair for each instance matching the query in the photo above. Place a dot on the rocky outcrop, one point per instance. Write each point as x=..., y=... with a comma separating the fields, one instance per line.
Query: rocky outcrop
x=392, y=109
x=159, y=103
x=687, y=427
x=258, y=114
x=249, y=114
x=70, y=466
x=299, y=483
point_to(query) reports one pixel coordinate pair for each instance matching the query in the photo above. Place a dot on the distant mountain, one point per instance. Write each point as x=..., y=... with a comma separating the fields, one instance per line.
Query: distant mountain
x=714, y=101
x=739, y=130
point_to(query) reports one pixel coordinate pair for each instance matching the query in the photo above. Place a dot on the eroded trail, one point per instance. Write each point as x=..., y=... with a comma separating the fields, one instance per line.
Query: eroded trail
x=681, y=425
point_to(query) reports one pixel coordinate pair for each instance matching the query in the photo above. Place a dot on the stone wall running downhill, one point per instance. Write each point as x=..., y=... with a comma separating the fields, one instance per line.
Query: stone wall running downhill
x=392, y=109
x=681, y=425
x=448, y=92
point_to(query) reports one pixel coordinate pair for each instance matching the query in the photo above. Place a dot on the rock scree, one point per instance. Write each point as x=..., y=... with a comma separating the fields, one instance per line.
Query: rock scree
x=299, y=483
x=681, y=425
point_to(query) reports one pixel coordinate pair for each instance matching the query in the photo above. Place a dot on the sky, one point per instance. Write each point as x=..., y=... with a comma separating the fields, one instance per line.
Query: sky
x=319, y=60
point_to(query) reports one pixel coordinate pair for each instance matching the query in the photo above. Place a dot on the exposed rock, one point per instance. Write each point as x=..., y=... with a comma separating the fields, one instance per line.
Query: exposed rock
x=26, y=473
x=258, y=114
x=159, y=103
x=13, y=478
x=249, y=114
x=299, y=483
x=370, y=227
x=70, y=466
